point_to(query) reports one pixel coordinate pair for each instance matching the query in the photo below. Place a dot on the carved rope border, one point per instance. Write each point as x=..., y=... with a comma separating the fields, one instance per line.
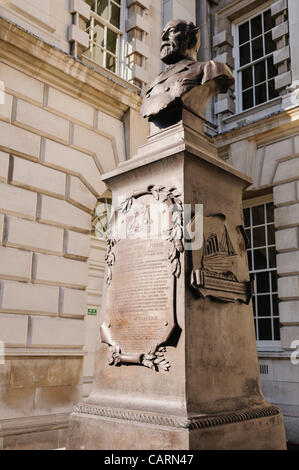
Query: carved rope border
x=197, y=422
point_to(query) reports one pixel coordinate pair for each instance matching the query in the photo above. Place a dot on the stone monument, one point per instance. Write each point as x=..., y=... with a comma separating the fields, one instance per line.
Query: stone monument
x=177, y=364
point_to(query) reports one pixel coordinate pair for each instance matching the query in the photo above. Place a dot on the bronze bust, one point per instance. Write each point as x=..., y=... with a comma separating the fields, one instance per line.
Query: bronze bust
x=180, y=43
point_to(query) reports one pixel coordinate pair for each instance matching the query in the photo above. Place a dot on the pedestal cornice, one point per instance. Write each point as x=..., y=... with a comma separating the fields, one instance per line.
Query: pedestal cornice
x=173, y=141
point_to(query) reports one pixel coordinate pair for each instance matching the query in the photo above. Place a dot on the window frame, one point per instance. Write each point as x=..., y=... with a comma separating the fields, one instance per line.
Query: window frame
x=264, y=345
x=238, y=69
x=120, y=68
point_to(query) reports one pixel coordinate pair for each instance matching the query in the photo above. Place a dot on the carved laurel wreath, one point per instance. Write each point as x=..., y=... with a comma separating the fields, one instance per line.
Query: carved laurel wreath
x=169, y=195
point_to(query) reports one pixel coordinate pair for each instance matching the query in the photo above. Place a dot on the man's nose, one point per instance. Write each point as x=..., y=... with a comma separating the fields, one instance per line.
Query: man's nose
x=164, y=36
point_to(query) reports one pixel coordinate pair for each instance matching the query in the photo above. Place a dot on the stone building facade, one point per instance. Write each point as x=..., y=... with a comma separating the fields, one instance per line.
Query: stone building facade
x=72, y=75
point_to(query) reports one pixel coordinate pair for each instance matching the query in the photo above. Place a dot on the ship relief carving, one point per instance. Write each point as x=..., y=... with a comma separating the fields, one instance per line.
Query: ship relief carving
x=220, y=265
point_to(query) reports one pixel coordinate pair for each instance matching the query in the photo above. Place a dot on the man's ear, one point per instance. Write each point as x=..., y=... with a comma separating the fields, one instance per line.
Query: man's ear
x=192, y=43
x=195, y=41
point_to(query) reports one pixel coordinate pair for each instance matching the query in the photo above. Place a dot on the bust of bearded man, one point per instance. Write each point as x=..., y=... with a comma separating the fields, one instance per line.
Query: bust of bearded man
x=180, y=42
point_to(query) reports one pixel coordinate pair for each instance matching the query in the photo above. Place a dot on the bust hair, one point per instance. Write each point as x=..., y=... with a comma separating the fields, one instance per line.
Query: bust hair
x=192, y=33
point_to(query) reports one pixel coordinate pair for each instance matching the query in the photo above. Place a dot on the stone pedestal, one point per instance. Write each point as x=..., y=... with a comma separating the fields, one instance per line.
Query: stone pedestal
x=205, y=393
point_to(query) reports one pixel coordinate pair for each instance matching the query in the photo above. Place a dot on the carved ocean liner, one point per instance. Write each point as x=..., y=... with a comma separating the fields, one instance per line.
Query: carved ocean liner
x=215, y=272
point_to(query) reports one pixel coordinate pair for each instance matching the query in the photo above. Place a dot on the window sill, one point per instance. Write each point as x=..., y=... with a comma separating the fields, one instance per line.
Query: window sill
x=274, y=354
x=113, y=76
x=252, y=115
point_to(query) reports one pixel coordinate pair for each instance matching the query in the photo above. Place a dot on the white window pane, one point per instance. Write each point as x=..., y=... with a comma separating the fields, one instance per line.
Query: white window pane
x=244, y=54
x=261, y=94
x=99, y=34
x=247, y=99
x=263, y=271
x=110, y=63
x=92, y=4
x=115, y=15
x=256, y=61
x=111, y=41
x=244, y=33
x=103, y=8
x=260, y=72
x=256, y=26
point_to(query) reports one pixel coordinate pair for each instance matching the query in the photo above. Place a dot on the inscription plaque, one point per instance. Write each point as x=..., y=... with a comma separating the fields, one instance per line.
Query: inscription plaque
x=142, y=268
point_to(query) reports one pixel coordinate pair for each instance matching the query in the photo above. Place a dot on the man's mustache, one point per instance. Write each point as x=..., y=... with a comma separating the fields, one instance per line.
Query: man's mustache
x=167, y=44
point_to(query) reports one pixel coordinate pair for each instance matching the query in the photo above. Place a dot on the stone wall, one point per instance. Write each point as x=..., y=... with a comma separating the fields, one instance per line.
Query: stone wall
x=53, y=149
x=271, y=159
x=48, y=19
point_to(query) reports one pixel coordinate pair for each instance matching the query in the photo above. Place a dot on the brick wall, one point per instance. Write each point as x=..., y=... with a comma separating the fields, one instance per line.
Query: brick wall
x=53, y=150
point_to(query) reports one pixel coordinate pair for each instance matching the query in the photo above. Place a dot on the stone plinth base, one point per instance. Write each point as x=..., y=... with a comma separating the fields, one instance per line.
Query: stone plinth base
x=199, y=388
x=109, y=429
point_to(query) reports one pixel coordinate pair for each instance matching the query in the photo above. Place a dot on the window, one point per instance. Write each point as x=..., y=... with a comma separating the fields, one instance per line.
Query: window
x=254, y=61
x=259, y=226
x=105, y=33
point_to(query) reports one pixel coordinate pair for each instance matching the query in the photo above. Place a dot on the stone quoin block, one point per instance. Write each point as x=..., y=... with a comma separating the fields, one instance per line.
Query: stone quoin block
x=288, y=287
x=36, y=119
x=274, y=152
x=289, y=311
x=17, y=201
x=81, y=7
x=35, y=176
x=2, y=219
x=288, y=334
x=57, y=332
x=284, y=193
x=70, y=160
x=135, y=20
x=54, y=270
x=288, y=263
x=19, y=140
x=4, y=163
x=296, y=145
x=21, y=84
x=287, y=239
x=57, y=212
x=281, y=55
x=78, y=193
x=283, y=80
x=278, y=7
x=13, y=330
x=69, y=107
x=89, y=141
x=34, y=236
x=222, y=38
x=74, y=303
x=224, y=105
x=286, y=216
x=28, y=298
x=76, y=34
x=77, y=244
x=6, y=107
x=15, y=264
x=287, y=170
x=280, y=30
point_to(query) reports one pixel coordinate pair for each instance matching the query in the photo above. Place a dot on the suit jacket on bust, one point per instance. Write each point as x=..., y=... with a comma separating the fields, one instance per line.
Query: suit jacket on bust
x=167, y=89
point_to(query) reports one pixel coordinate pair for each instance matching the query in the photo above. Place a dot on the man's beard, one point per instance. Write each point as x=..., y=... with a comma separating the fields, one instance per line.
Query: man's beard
x=170, y=53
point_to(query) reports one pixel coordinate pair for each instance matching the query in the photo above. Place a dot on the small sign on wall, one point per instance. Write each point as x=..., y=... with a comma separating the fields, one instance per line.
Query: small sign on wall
x=92, y=311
